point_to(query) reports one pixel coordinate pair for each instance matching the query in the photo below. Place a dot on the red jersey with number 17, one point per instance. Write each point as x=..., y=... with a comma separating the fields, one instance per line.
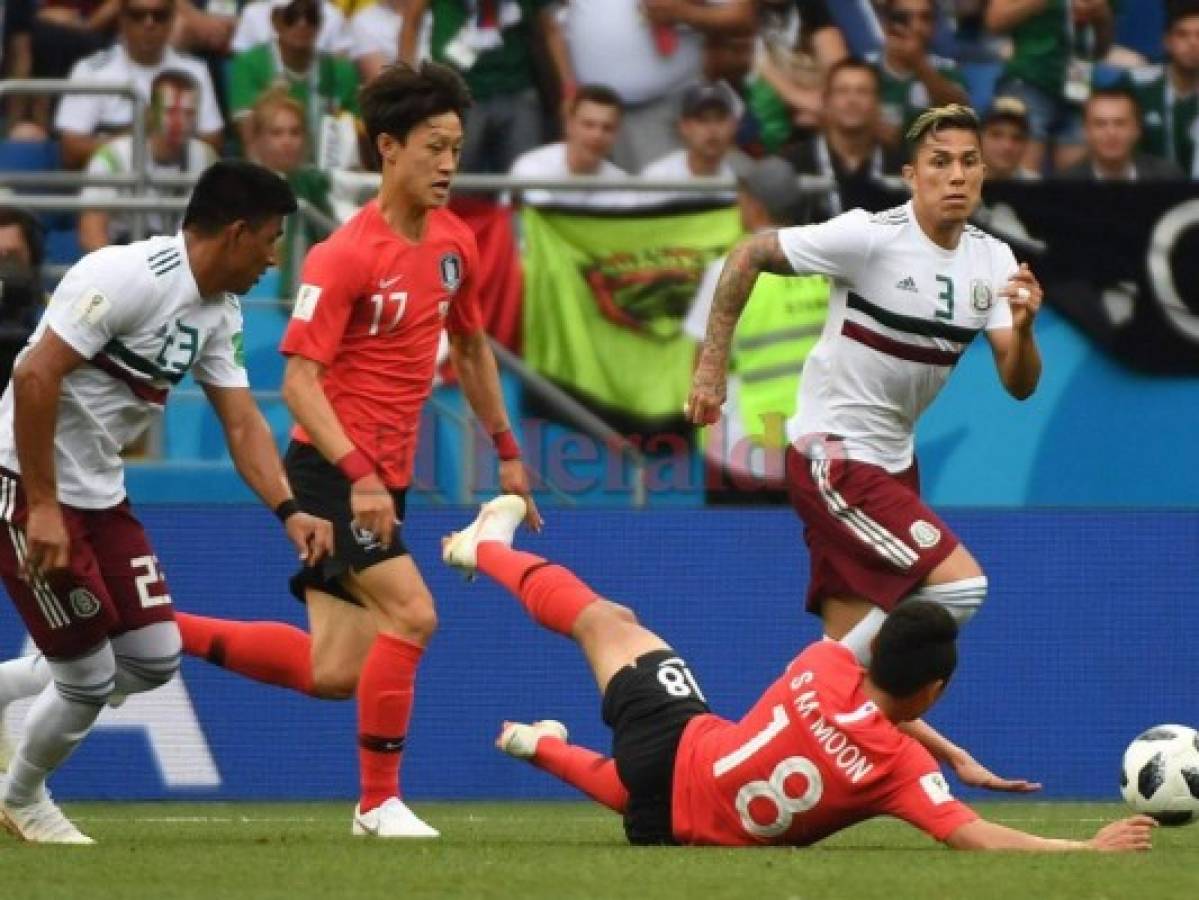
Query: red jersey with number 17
x=813, y=756
x=370, y=308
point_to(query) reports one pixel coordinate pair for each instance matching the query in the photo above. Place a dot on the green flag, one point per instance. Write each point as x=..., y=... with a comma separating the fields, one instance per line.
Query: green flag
x=605, y=298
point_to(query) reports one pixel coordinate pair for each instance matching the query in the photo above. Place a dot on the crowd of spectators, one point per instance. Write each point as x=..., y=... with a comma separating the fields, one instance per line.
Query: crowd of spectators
x=609, y=88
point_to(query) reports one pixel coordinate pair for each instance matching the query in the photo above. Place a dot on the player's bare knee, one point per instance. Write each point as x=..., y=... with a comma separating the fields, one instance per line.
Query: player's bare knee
x=333, y=682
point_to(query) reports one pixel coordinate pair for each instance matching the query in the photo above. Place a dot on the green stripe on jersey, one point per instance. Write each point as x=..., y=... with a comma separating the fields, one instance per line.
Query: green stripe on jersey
x=911, y=324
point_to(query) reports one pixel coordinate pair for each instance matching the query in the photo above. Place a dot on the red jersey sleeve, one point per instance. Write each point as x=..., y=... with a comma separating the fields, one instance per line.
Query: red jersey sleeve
x=921, y=796
x=465, y=316
x=330, y=284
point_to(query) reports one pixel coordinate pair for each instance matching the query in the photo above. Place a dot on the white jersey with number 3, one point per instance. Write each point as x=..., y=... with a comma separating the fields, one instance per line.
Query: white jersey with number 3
x=136, y=314
x=902, y=310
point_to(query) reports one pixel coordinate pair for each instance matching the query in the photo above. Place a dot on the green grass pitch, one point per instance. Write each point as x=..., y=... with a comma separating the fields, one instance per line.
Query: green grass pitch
x=293, y=851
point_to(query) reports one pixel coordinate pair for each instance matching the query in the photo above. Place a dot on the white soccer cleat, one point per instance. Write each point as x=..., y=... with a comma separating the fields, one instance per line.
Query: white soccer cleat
x=498, y=520
x=391, y=820
x=520, y=740
x=41, y=823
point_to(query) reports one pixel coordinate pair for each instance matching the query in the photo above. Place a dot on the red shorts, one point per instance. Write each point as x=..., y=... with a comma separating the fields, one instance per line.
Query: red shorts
x=868, y=533
x=113, y=583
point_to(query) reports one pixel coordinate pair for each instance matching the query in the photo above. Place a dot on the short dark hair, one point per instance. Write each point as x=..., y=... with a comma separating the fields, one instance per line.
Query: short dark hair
x=915, y=647
x=852, y=63
x=401, y=97
x=31, y=232
x=1177, y=10
x=942, y=118
x=596, y=93
x=1114, y=93
x=234, y=190
x=185, y=81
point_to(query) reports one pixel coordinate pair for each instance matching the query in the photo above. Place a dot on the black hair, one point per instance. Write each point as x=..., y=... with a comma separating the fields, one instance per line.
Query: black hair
x=233, y=190
x=942, y=118
x=1177, y=10
x=852, y=63
x=31, y=232
x=185, y=81
x=596, y=93
x=914, y=648
x=400, y=97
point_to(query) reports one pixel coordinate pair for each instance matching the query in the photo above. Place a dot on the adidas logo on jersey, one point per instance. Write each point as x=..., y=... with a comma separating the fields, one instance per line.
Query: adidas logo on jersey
x=908, y=284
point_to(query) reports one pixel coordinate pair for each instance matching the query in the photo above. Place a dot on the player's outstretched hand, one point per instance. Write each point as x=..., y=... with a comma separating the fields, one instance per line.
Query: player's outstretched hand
x=970, y=771
x=312, y=537
x=373, y=509
x=707, y=395
x=1125, y=835
x=49, y=544
x=514, y=479
x=1024, y=295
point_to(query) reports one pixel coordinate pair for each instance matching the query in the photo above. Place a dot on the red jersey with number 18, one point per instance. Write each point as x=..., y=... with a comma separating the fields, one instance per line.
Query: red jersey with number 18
x=813, y=756
x=370, y=308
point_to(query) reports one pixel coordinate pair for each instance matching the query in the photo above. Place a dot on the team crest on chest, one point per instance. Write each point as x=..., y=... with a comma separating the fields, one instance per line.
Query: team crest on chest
x=980, y=295
x=451, y=271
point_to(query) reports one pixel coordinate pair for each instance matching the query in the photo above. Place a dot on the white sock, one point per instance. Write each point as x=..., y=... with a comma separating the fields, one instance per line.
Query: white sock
x=54, y=727
x=23, y=677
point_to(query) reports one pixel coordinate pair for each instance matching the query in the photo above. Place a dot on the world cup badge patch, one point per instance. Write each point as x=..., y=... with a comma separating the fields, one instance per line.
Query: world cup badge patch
x=981, y=297
x=925, y=534
x=451, y=272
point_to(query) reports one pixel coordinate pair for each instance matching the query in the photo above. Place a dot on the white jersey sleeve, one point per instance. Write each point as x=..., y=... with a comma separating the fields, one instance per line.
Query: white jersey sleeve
x=79, y=113
x=1006, y=267
x=837, y=248
x=101, y=297
x=221, y=362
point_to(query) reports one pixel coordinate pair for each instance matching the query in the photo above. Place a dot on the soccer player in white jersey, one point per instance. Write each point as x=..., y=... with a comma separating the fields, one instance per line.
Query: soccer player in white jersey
x=911, y=287
x=124, y=326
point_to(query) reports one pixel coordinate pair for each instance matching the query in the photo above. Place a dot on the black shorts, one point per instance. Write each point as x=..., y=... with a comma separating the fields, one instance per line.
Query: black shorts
x=647, y=705
x=322, y=490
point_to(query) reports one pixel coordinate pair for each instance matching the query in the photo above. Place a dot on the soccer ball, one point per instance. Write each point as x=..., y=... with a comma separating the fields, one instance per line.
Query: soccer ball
x=1161, y=774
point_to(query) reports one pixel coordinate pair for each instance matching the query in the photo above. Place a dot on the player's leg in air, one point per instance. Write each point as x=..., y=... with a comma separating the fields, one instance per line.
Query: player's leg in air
x=104, y=635
x=648, y=692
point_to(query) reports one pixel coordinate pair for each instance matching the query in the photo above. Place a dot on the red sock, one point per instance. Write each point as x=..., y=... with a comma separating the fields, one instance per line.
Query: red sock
x=385, y=691
x=551, y=594
x=592, y=773
x=270, y=652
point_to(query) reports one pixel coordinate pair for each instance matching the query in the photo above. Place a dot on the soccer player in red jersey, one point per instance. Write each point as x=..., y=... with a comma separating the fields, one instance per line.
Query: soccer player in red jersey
x=361, y=350
x=819, y=751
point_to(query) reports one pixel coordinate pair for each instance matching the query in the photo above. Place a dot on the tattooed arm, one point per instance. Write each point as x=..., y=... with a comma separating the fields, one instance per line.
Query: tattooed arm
x=750, y=257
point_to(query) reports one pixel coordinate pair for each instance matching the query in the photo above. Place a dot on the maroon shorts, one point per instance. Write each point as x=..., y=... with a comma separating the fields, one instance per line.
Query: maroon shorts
x=868, y=533
x=114, y=583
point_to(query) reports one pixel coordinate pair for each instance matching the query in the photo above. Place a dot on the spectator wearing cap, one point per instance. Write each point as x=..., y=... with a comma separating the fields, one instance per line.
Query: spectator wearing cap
x=707, y=126
x=255, y=27
x=593, y=121
x=491, y=43
x=1169, y=93
x=85, y=121
x=782, y=321
x=172, y=149
x=648, y=51
x=1004, y=140
x=1112, y=125
x=375, y=36
x=911, y=79
x=848, y=150
x=324, y=84
x=1054, y=46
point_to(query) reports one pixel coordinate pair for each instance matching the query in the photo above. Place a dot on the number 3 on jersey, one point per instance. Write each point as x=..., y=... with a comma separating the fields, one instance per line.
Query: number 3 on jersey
x=399, y=298
x=772, y=790
x=946, y=297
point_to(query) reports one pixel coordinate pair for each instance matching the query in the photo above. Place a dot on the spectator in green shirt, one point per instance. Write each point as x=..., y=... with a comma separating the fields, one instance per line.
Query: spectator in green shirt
x=323, y=84
x=1054, y=44
x=910, y=78
x=1169, y=93
x=490, y=42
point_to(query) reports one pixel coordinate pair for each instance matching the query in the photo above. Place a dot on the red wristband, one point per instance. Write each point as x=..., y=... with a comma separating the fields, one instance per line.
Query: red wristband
x=506, y=447
x=356, y=465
